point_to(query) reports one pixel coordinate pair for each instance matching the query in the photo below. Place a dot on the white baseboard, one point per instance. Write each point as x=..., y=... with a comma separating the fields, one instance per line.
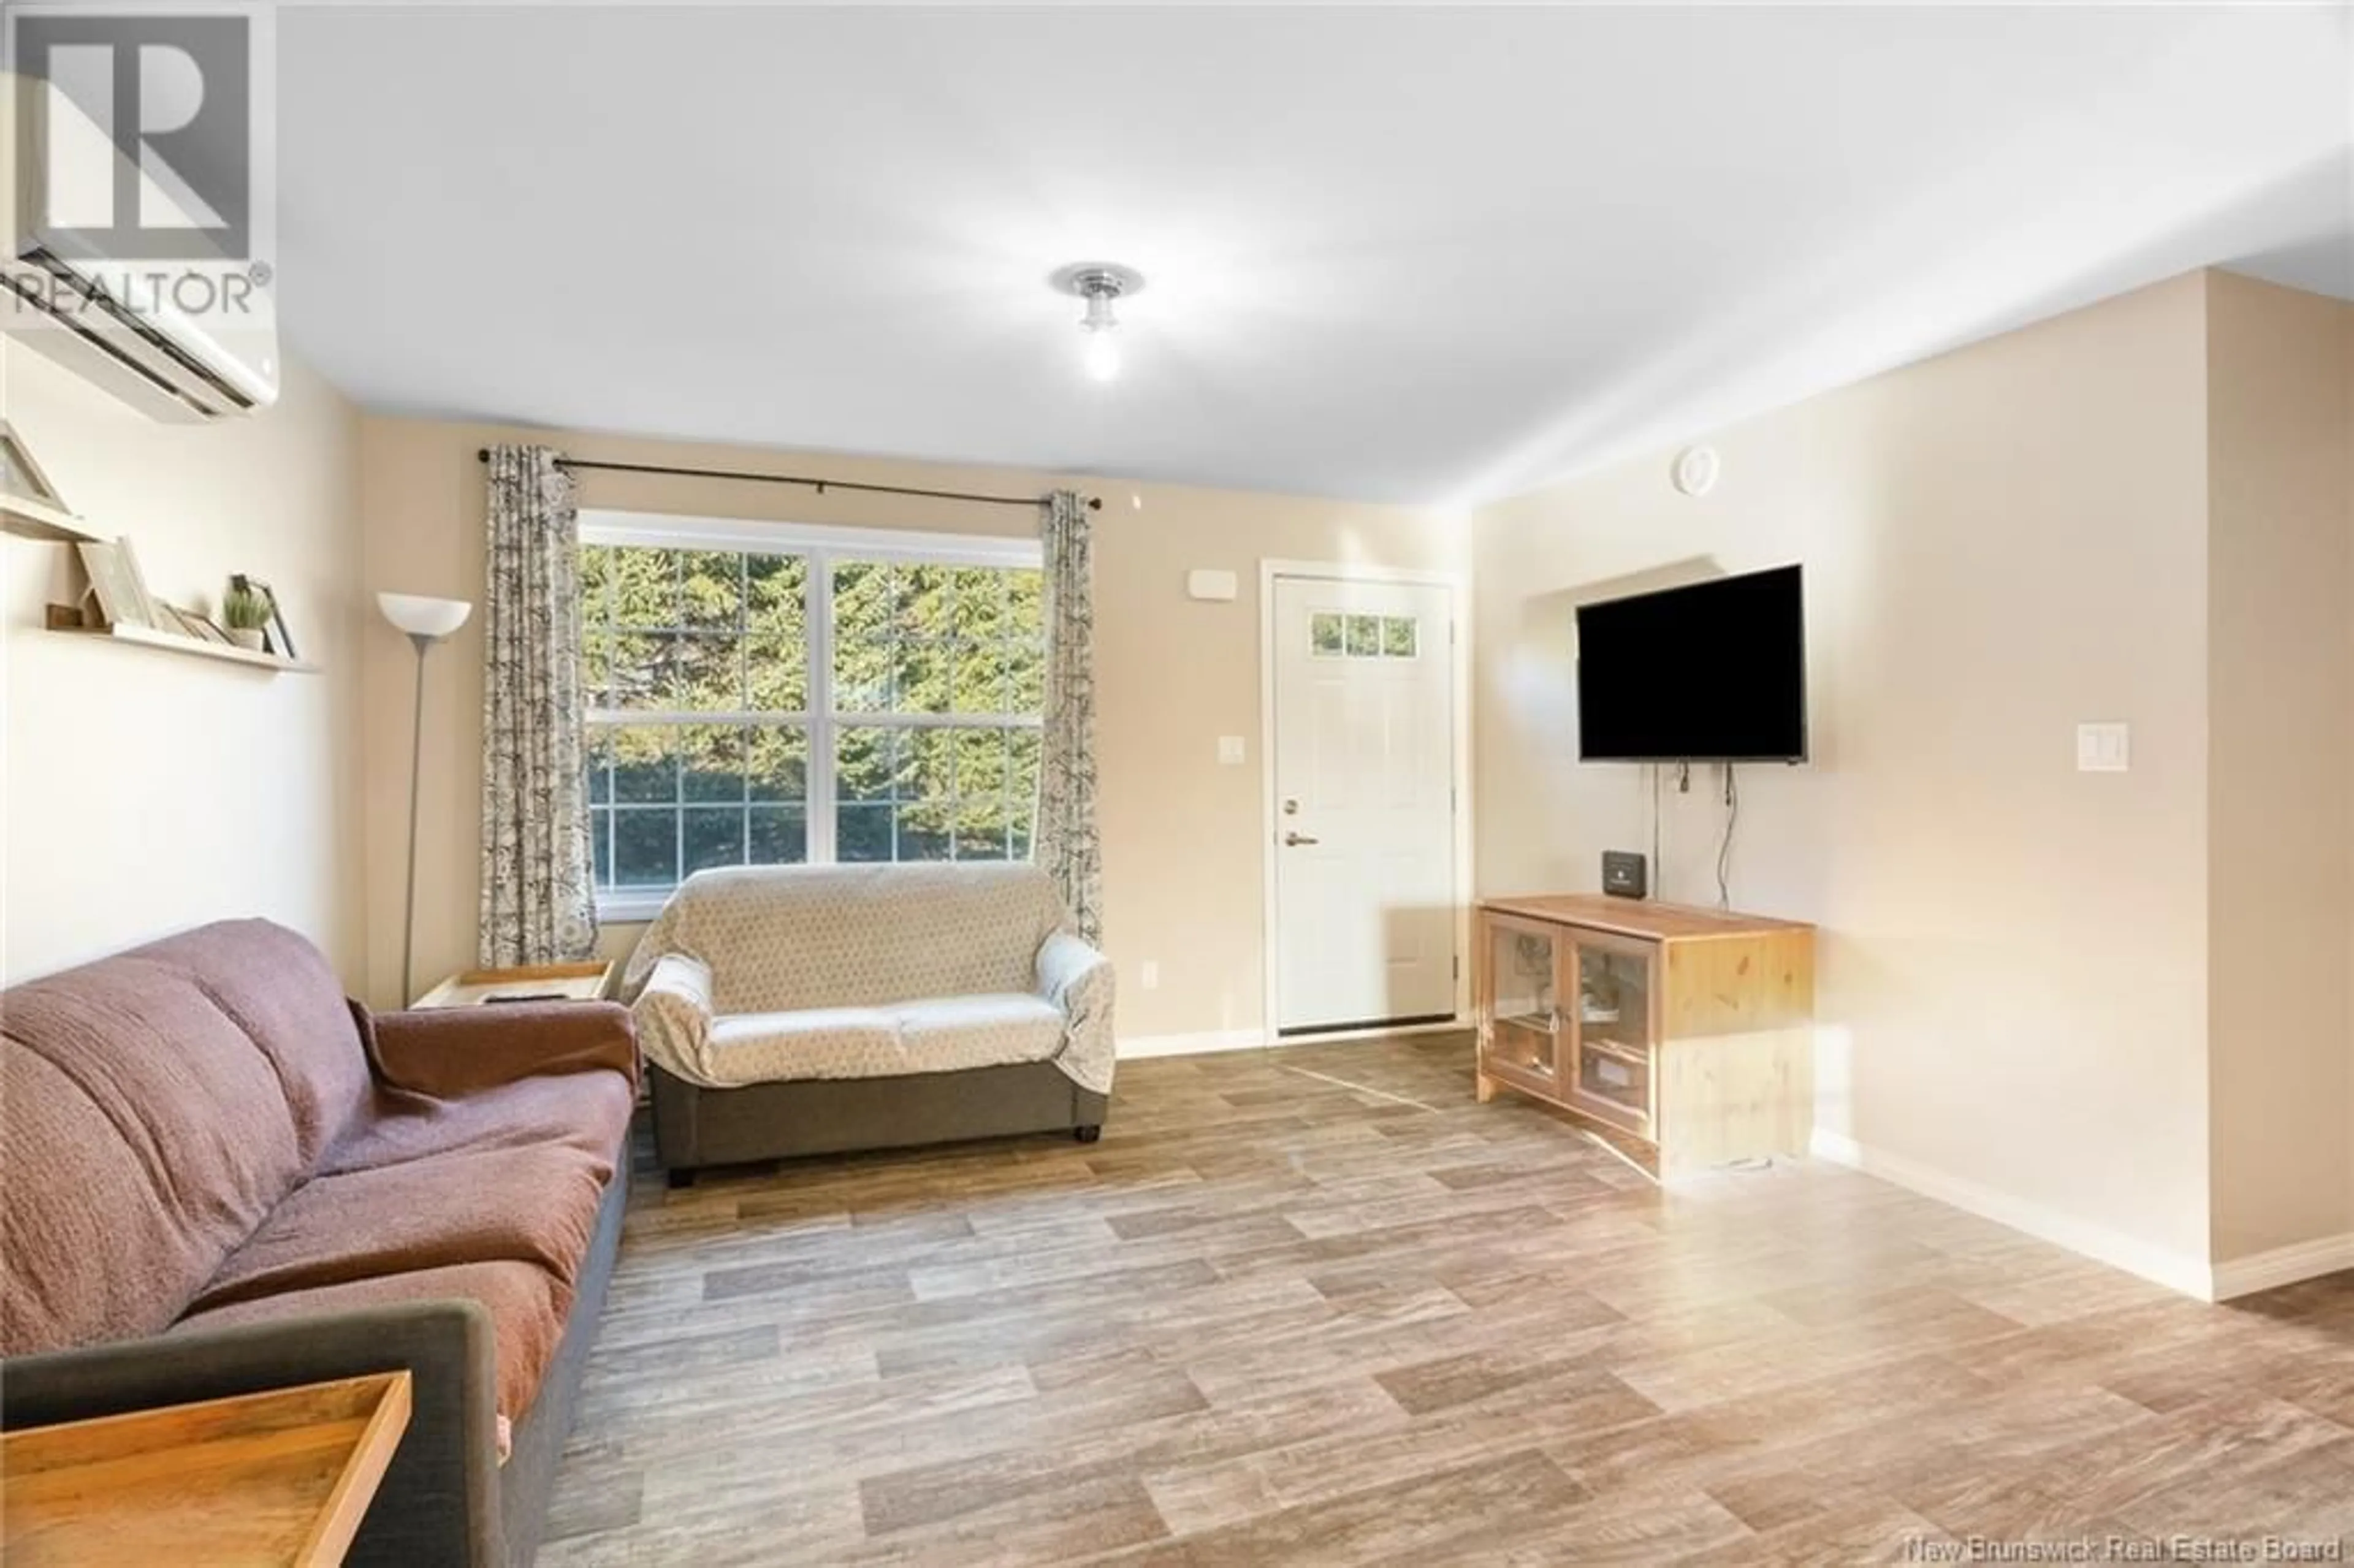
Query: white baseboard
x=1254, y=1039
x=2191, y=1276
x=1190, y=1045
x=2283, y=1266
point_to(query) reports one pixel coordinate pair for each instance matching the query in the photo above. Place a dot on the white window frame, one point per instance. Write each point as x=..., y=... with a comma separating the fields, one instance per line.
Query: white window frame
x=821, y=546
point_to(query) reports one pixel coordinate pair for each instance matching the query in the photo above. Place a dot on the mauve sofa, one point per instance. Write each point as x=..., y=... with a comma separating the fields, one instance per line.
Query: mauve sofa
x=217, y=1175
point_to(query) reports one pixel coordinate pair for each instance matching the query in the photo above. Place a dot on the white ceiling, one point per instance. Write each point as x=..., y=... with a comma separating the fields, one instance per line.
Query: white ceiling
x=1406, y=255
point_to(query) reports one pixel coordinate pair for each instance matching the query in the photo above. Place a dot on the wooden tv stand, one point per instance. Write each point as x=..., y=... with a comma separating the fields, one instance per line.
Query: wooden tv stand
x=1683, y=1036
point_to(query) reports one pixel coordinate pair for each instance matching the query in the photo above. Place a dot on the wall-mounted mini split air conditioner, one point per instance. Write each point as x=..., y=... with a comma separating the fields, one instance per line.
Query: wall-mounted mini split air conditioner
x=123, y=326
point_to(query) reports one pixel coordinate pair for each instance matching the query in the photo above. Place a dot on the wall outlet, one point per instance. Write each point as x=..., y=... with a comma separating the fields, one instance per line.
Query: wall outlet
x=2104, y=747
x=1230, y=750
x=1148, y=974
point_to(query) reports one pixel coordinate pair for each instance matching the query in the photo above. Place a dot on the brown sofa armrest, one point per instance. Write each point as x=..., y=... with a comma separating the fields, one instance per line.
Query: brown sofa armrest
x=454, y=1051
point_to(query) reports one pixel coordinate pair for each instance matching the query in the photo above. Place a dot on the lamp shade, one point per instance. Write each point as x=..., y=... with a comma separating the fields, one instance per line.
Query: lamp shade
x=422, y=616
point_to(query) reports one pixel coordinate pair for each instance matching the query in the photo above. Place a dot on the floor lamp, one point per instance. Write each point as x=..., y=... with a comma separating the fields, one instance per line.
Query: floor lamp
x=426, y=621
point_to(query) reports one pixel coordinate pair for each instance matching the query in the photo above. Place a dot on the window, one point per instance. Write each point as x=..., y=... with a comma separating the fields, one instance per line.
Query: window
x=1335, y=636
x=759, y=694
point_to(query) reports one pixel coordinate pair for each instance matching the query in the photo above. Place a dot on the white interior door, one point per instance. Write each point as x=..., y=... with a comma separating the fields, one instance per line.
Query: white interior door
x=1364, y=810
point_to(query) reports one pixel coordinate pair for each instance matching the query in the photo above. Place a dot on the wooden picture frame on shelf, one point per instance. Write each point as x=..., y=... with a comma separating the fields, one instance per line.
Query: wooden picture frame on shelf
x=199, y=627
x=149, y=605
x=116, y=583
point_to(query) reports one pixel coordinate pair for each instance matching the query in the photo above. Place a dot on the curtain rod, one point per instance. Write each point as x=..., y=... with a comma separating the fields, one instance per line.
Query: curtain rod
x=1094, y=502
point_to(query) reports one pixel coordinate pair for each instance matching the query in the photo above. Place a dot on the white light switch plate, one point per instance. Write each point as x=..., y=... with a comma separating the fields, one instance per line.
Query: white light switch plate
x=1230, y=750
x=2104, y=749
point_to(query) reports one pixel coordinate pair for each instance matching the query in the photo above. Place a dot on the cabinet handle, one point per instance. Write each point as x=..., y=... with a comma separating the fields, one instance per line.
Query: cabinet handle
x=1293, y=840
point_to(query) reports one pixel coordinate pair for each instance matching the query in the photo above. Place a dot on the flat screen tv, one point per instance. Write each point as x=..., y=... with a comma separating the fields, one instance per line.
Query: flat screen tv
x=1712, y=672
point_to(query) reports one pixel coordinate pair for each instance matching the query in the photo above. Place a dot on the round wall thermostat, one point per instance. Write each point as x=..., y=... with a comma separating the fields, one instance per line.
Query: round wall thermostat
x=1695, y=470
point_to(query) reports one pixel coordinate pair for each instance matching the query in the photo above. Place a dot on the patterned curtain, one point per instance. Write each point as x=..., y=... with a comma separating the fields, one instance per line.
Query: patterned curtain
x=1067, y=845
x=538, y=904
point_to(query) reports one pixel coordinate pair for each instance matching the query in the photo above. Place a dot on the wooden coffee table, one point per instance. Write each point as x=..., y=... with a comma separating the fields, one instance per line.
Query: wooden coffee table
x=531, y=982
x=280, y=1476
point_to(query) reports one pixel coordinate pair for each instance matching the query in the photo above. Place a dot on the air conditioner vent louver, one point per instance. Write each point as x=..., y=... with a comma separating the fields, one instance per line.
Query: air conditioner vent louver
x=157, y=360
x=201, y=390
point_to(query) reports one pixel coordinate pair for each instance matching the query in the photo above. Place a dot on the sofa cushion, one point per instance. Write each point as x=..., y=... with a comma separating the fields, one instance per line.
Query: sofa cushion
x=279, y=989
x=785, y=939
x=957, y=1031
x=945, y=1034
x=535, y=1204
x=526, y=1303
x=587, y=1111
x=146, y=1137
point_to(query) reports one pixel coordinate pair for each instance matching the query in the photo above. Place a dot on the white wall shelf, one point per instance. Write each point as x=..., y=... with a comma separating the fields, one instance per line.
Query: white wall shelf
x=172, y=643
x=29, y=519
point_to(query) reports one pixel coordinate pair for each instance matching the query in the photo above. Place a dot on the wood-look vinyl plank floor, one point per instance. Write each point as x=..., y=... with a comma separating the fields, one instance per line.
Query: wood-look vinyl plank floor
x=1316, y=1306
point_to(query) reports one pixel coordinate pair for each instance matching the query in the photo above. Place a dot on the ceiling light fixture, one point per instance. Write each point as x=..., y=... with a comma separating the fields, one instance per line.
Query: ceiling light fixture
x=1099, y=283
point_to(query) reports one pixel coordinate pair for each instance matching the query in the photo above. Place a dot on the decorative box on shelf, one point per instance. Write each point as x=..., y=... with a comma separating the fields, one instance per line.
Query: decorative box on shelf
x=1682, y=1036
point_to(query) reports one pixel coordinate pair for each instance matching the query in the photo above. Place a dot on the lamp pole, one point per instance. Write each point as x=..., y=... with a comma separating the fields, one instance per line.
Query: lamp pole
x=424, y=622
x=416, y=771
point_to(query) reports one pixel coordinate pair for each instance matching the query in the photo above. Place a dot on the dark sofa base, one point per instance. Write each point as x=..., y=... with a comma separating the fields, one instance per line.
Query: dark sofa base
x=695, y=1126
x=536, y=1443
x=445, y=1501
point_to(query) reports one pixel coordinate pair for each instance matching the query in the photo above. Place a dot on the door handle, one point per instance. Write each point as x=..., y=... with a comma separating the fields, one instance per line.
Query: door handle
x=1294, y=840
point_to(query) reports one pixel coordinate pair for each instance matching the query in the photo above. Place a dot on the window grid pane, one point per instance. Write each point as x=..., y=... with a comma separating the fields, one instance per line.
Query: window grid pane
x=673, y=632
x=677, y=798
x=939, y=792
x=936, y=640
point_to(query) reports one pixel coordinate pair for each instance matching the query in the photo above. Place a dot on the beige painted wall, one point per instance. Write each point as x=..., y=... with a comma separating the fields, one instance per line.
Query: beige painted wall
x=147, y=792
x=1998, y=544
x=1182, y=832
x=2281, y=752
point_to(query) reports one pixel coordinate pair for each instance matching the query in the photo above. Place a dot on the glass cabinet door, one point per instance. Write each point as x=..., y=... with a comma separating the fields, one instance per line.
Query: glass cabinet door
x=1614, y=1057
x=1523, y=1020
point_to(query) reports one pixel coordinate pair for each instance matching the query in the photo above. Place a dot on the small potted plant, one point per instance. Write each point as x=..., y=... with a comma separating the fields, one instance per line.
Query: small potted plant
x=247, y=612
